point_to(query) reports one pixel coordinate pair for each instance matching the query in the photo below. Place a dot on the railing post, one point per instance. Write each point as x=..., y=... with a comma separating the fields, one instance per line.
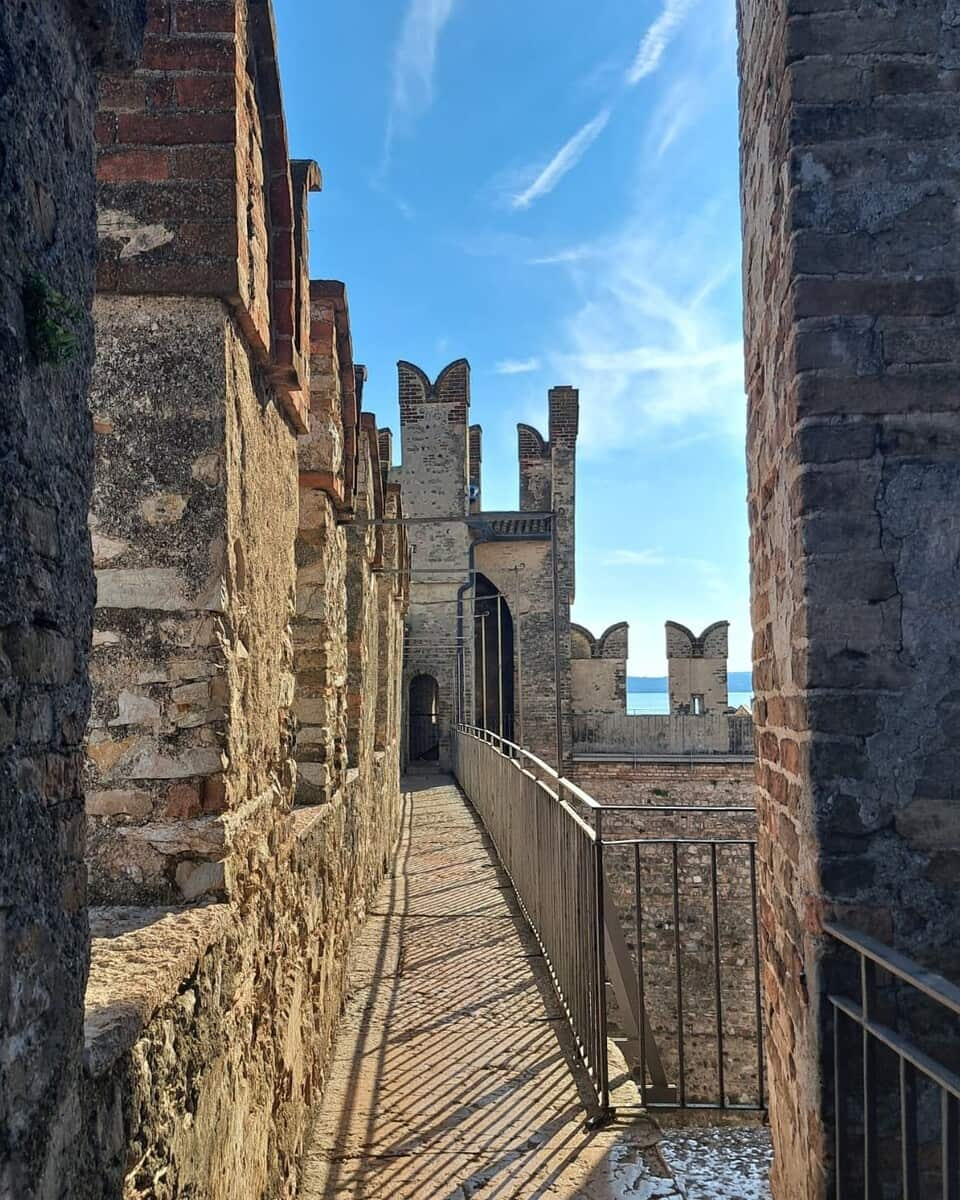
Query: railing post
x=603, y=1066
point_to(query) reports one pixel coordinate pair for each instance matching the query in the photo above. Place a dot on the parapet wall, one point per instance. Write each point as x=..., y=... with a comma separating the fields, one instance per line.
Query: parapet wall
x=644, y=734
x=247, y=597
x=193, y=522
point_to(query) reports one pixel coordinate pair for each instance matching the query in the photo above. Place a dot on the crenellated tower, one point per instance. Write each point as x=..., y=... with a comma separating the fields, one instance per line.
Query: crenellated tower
x=436, y=475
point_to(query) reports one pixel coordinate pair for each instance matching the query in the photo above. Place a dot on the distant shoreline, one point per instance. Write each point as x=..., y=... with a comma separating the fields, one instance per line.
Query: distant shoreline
x=658, y=703
x=737, y=681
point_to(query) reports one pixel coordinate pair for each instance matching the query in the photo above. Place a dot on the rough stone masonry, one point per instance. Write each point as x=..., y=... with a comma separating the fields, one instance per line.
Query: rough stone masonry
x=49, y=58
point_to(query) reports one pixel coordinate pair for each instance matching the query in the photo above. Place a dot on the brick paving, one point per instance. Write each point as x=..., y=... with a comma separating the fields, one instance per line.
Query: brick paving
x=453, y=1072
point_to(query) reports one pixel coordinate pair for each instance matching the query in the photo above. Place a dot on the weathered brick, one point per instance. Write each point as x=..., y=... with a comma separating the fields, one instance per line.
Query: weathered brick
x=209, y=17
x=125, y=166
x=188, y=54
x=176, y=129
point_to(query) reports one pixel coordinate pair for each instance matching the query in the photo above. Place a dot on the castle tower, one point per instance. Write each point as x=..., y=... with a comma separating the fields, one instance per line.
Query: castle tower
x=697, y=669
x=435, y=475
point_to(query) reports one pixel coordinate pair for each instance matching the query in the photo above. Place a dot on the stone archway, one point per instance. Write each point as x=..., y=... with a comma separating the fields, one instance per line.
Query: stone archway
x=424, y=719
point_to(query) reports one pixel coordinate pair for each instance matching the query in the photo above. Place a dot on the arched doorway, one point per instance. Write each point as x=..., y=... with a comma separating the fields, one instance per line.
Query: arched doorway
x=493, y=656
x=424, y=712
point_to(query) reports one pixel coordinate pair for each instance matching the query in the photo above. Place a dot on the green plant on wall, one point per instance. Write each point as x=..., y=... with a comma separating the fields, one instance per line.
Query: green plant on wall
x=51, y=319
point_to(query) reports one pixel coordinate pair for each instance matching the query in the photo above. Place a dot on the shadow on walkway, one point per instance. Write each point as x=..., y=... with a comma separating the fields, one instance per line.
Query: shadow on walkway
x=454, y=1072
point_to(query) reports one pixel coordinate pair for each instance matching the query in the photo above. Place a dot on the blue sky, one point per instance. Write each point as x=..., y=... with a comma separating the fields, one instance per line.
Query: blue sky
x=550, y=190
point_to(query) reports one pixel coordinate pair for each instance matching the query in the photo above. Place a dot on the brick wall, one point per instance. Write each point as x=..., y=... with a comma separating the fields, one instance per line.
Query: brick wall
x=195, y=189
x=533, y=454
x=476, y=455
x=850, y=280
x=698, y=781
x=325, y=500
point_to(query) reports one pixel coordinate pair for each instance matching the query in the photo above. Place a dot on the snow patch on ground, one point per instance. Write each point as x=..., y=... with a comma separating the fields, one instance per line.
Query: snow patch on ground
x=719, y=1164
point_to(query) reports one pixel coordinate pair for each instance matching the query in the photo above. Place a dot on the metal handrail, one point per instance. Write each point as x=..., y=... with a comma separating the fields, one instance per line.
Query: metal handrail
x=567, y=785
x=929, y=982
x=864, y=1121
x=543, y=845
x=607, y=948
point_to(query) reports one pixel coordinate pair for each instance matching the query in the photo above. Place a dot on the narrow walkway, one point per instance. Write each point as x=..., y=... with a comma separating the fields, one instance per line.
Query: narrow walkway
x=452, y=1075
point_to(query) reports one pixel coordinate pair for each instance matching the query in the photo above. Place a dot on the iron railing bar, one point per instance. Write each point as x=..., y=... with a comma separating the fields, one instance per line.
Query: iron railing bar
x=950, y=1146
x=669, y=841
x=601, y=978
x=695, y=809
x=757, y=996
x=943, y=1077
x=703, y=1106
x=717, y=998
x=928, y=982
x=908, y=1132
x=581, y=795
x=838, y=1118
x=871, y=1145
x=638, y=894
x=681, y=1076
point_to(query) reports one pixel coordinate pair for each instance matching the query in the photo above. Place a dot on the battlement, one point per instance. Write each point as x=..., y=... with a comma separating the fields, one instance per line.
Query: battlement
x=684, y=643
x=612, y=643
x=451, y=386
x=697, y=669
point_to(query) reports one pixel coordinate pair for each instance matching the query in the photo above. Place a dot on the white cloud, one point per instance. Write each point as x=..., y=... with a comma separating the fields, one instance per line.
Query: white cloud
x=563, y=161
x=635, y=558
x=414, y=63
x=571, y=255
x=657, y=38
x=517, y=366
x=653, y=339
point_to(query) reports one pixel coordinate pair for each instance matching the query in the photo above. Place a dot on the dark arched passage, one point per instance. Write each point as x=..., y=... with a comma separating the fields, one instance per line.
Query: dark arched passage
x=493, y=656
x=424, y=712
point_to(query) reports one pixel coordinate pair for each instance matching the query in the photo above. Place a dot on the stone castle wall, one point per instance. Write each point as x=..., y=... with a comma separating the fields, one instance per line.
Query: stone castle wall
x=435, y=477
x=598, y=672
x=193, y=520
x=705, y=781
x=697, y=667
x=50, y=56
x=238, y=565
x=535, y=706
x=851, y=281
x=641, y=734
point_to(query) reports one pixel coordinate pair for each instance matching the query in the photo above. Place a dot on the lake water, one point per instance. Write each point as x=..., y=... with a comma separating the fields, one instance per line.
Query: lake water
x=659, y=702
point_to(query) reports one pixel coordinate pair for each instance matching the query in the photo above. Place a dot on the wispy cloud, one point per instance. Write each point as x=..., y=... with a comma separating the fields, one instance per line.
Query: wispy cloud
x=657, y=38
x=565, y=159
x=653, y=339
x=517, y=366
x=414, y=63
x=635, y=558
x=571, y=254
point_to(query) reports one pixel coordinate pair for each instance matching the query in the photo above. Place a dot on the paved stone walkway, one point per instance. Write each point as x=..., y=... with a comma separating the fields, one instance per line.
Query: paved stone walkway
x=452, y=1075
